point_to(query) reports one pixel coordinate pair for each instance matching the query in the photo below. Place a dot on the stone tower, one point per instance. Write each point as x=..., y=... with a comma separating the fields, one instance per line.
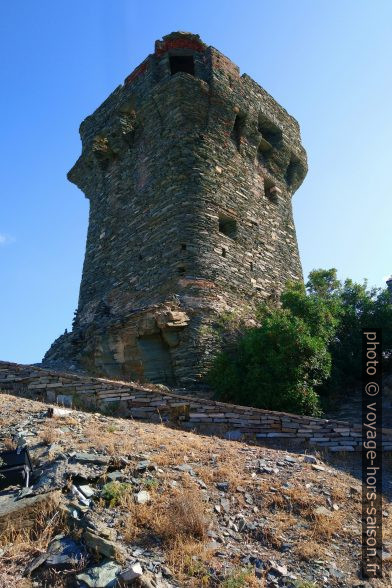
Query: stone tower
x=189, y=168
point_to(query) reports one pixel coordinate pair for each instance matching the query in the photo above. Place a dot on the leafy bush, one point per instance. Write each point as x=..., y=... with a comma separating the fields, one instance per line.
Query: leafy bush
x=311, y=344
x=356, y=307
x=275, y=366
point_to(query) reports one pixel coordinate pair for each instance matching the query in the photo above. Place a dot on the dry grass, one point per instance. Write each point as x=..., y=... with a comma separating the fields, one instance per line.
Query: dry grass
x=182, y=516
x=273, y=533
x=106, y=440
x=189, y=559
x=9, y=443
x=324, y=527
x=175, y=518
x=241, y=578
x=387, y=526
x=309, y=550
x=297, y=499
x=22, y=543
x=49, y=433
x=47, y=516
x=179, y=514
x=178, y=519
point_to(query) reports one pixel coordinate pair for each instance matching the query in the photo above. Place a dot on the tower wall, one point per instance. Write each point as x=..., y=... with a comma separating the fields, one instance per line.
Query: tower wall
x=189, y=175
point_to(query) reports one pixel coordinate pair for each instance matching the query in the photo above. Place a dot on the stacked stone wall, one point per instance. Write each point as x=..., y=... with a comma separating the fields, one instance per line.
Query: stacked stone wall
x=206, y=416
x=189, y=179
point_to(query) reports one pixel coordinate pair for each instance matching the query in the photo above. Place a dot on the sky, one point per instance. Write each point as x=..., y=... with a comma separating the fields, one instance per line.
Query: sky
x=328, y=62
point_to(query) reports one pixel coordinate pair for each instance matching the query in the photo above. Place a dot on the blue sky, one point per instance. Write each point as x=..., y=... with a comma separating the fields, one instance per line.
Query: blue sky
x=328, y=62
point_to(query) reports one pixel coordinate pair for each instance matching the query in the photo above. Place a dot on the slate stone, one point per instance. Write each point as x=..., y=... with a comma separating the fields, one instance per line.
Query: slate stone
x=102, y=576
x=310, y=459
x=101, y=545
x=93, y=458
x=64, y=553
x=223, y=486
x=133, y=572
x=234, y=435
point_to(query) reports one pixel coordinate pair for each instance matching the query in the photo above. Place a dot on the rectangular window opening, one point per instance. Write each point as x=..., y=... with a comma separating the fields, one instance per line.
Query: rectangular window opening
x=271, y=191
x=270, y=133
x=183, y=63
x=237, y=131
x=228, y=226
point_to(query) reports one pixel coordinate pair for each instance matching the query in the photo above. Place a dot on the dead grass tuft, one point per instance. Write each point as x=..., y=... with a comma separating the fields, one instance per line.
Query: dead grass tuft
x=182, y=516
x=189, y=559
x=308, y=550
x=179, y=515
x=22, y=542
x=9, y=443
x=325, y=526
x=49, y=434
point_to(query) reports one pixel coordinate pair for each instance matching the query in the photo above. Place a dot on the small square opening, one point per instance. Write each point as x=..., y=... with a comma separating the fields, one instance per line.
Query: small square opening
x=228, y=226
x=183, y=246
x=181, y=270
x=183, y=63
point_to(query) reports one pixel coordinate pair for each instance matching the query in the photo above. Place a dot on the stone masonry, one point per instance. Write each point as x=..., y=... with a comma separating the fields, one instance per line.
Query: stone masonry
x=189, y=168
x=151, y=404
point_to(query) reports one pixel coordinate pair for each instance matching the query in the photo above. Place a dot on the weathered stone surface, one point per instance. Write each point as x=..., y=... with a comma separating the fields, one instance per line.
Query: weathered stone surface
x=101, y=545
x=57, y=474
x=142, y=497
x=64, y=552
x=94, y=458
x=132, y=573
x=103, y=576
x=22, y=513
x=189, y=170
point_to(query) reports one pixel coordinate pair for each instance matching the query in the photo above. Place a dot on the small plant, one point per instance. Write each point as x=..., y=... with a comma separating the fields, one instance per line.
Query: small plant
x=150, y=483
x=49, y=434
x=196, y=568
x=186, y=519
x=240, y=578
x=305, y=584
x=113, y=492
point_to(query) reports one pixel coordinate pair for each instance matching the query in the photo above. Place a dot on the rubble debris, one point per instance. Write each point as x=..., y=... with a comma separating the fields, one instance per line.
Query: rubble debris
x=260, y=507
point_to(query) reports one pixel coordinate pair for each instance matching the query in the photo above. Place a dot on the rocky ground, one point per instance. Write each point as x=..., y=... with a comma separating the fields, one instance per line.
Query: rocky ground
x=115, y=502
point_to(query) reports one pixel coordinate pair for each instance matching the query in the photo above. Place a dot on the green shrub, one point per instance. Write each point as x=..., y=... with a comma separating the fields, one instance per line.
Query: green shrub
x=356, y=307
x=275, y=366
x=114, y=491
x=239, y=578
x=310, y=345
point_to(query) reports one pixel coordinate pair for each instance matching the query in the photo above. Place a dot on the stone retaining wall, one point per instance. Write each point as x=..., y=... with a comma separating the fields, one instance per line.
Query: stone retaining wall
x=207, y=416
